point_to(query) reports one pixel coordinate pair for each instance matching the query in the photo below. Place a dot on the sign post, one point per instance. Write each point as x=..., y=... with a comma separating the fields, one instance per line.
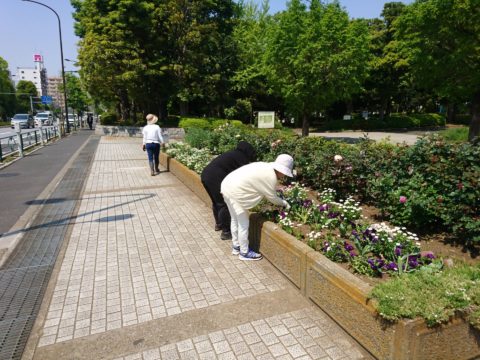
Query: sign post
x=266, y=119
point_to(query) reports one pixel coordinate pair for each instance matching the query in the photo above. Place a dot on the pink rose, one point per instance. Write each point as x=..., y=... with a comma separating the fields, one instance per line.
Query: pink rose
x=403, y=199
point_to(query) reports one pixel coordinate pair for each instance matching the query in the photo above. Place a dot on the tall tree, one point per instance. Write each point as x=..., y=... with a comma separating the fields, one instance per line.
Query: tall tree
x=250, y=35
x=316, y=57
x=202, y=52
x=77, y=97
x=387, y=76
x=26, y=91
x=440, y=41
x=7, y=92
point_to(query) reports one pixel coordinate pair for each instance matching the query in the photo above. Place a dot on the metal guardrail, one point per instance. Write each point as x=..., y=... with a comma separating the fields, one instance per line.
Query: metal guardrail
x=13, y=144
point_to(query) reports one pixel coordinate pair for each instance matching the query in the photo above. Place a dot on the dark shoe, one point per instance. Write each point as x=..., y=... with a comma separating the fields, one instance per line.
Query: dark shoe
x=226, y=235
x=218, y=227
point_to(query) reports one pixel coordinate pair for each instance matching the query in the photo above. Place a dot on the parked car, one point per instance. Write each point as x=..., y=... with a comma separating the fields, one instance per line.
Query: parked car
x=43, y=118
x=25, y=120
x=73, y=120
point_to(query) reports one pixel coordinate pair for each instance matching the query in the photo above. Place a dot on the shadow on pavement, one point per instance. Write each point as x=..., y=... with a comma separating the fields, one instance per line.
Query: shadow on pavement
x=115, y=218
x=68, y=220
x=46, y=201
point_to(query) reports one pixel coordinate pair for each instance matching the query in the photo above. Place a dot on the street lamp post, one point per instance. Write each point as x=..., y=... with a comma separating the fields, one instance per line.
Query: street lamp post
x=61, y=54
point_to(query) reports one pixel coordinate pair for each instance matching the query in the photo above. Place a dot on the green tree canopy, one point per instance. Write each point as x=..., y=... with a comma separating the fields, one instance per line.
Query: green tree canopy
x=77, y=97
x=440, y=40
x=7, y=92
x=316, y=56
x=25, y=90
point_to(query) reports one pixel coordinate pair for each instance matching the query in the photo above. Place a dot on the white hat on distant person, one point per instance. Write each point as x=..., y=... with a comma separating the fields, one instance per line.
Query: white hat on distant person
x=151, y=119
x=284, y=164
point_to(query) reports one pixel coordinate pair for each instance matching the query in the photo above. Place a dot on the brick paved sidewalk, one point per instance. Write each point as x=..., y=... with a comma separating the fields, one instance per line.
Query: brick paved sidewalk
x=145, y=276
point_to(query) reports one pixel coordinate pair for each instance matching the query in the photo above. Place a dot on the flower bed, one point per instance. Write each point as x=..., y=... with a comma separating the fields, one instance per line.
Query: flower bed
x=346, y=298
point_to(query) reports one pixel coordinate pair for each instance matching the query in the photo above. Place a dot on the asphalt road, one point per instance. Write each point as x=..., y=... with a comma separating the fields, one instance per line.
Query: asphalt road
x=23, y=181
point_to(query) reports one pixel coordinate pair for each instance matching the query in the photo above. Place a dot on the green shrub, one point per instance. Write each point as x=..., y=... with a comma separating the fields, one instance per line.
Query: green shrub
x=198, y=123
x=109, y=118
x=394, y=121
x=459, y=134
x=438, y=181
x=198, y=138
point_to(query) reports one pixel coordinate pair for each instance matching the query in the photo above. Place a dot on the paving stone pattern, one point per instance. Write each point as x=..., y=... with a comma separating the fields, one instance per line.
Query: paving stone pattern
x=303, y=334
x=143, y=248
x=139, y=255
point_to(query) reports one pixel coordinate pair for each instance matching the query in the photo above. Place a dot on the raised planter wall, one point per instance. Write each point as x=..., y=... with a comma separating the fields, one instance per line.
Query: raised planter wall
x=343, y=296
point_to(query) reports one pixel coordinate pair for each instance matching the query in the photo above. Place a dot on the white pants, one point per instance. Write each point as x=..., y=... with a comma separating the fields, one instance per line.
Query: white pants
x=239, y=225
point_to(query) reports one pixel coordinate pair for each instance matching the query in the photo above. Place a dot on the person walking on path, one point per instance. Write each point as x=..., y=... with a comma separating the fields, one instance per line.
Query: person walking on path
x=244, y=188
x=212, y=177
x=90, y=121
x=152, y=139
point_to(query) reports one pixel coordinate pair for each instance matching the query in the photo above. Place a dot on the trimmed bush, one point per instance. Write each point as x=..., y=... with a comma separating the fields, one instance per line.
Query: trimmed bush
x=394, y=121
x=206, y=123
x=109, y=119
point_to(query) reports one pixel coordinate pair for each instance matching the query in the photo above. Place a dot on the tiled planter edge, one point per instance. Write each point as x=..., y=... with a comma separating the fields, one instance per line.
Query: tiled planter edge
x=343, y=296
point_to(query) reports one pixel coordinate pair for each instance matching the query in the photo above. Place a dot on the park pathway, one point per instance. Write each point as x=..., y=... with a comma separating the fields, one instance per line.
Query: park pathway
x=143, y=275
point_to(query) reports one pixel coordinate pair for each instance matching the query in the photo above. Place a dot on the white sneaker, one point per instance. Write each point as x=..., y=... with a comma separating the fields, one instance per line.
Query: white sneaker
x=235, y=250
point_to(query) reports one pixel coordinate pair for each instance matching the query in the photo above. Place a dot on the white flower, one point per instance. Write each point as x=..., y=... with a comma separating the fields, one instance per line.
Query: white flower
x=337, y=158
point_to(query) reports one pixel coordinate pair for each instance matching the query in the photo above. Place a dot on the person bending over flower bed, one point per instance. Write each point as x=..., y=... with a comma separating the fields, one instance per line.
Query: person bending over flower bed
x=213, y=175
x=243, y=189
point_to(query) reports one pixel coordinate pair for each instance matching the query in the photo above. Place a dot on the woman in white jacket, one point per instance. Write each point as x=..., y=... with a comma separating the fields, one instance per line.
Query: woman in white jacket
x=243, y=189
x=152, y=139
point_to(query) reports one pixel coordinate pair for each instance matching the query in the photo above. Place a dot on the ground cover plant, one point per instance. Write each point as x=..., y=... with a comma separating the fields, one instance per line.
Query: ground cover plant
x=431, y=294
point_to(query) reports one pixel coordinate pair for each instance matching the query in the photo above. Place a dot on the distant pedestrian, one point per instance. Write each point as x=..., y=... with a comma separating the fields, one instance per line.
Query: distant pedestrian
x=90, y=121
x=212, y=177
x=152, y=140
x=243, y=189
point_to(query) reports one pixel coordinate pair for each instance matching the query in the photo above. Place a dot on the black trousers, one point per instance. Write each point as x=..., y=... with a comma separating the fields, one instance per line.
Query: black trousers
x=219, y=208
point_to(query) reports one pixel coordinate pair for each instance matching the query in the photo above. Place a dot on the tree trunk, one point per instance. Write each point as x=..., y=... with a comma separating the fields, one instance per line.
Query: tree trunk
x=183, y=108
x=474, y=130
x=305, y=125
x=451, y=113
x=163, y=111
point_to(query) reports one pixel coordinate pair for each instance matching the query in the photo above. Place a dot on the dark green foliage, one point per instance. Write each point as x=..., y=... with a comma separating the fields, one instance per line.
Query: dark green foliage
x=7, y=92
x=205, y=123
x=109, y=119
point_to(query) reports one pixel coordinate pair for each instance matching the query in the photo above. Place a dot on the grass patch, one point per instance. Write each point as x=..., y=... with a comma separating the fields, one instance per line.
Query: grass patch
x=4, y=123
x=432, y=295
x=459, y=134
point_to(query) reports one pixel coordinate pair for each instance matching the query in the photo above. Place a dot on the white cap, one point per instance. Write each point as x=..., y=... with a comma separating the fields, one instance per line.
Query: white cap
x=284, y=164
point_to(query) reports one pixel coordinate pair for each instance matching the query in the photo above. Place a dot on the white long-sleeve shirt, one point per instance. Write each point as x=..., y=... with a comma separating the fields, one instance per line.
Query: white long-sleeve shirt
x=152, y=134
x=247, y=185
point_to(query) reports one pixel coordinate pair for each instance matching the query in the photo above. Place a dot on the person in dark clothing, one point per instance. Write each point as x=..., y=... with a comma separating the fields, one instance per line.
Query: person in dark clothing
x=90, y=121
x=213, y=175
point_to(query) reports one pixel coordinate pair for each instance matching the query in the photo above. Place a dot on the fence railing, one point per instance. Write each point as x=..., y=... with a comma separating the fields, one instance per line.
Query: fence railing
x=12, y=144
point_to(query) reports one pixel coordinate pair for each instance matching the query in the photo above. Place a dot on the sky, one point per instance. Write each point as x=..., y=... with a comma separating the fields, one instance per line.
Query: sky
x=27, y=28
